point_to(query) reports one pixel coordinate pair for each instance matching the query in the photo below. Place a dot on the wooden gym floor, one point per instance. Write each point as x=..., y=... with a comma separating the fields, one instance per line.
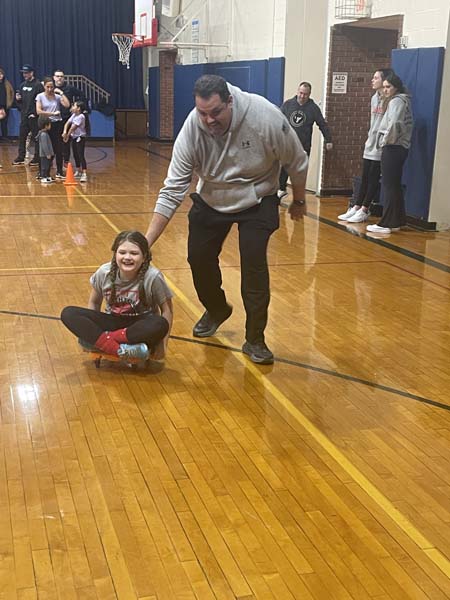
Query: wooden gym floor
x=326, y=475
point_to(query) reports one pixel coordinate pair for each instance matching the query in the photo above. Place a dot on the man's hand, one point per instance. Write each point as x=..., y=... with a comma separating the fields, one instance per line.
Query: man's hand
x=156, y=227
x=297, y=209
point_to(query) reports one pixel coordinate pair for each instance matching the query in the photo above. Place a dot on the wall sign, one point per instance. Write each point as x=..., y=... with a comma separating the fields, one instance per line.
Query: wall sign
x=195, y=39
x=339, y=83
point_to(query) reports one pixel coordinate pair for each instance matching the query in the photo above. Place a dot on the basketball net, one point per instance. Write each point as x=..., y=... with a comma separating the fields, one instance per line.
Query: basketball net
x=124, y=42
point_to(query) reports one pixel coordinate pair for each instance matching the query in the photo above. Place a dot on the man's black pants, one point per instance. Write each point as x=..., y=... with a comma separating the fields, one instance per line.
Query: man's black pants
x=284, y=175
x=208, y=229
x=27, y=125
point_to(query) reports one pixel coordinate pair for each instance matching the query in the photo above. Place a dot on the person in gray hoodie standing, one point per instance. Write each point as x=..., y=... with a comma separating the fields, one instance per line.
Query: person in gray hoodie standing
x=370, y=179
x=394, y=139
x=235, y=142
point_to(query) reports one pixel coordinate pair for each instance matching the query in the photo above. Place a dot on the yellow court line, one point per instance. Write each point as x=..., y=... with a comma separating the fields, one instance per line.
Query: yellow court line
x=20, y=269
x=430, y=550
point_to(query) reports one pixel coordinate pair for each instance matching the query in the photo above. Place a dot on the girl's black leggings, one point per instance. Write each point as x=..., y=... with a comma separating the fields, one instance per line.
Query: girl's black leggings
x=78, y=145
x=89, y=324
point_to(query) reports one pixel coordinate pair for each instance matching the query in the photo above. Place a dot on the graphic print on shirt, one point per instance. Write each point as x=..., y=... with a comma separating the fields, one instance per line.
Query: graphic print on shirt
x=297, y=118
x=124, y=304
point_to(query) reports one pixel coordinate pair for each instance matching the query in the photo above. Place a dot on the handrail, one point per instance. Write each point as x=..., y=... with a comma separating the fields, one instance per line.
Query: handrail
x=91, y=91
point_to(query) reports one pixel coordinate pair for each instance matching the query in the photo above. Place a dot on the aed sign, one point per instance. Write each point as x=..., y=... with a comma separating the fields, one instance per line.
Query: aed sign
x=339, y=83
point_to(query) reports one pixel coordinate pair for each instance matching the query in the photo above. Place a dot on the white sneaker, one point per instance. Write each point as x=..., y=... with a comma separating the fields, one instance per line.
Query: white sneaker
x=350, y=212
x=77, y=174
x=359, y=217
x=378, y=229
x=83, y=178
x=47, y=180
x=282, y=194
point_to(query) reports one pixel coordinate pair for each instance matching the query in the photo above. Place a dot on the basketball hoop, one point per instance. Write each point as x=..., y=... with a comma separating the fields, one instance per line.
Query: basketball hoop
x=353, y=9
x=124, y=42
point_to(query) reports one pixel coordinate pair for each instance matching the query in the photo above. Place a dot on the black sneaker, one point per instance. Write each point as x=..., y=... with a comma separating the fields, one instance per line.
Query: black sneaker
x=34, y=162
x=17, y=162
x=60, y=175
x=208, y=325
x=258, y=353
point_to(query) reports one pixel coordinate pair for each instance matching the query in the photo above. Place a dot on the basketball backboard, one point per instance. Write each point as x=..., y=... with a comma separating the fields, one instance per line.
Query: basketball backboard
x=145, y=23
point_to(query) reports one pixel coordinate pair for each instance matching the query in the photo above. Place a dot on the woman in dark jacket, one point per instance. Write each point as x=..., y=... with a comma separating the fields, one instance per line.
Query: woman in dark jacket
x=6, y=100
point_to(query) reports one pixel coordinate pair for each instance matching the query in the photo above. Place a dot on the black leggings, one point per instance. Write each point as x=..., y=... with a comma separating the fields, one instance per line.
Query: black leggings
x=55, y=135
x=370, y=183
x=78, y=152
x=89, y=324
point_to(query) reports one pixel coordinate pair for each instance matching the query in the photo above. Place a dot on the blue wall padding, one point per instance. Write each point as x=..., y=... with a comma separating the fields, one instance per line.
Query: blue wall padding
x=264, y=77
x=184, y=78
x=249, y=75
x=101, y=125
x=421, y=71
x=275, y=80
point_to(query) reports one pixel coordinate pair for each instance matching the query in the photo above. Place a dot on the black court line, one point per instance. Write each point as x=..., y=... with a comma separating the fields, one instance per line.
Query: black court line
x=421, y=277
x=285, y=361
x=26, y=314
x=381, y=242
x=166, y=158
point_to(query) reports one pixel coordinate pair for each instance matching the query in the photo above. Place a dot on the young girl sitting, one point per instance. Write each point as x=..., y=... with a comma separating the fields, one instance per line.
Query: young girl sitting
x=76, y=129
x=138, y=315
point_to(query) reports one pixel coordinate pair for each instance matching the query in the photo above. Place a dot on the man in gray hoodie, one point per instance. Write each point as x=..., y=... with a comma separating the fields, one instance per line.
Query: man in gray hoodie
x=235, y=142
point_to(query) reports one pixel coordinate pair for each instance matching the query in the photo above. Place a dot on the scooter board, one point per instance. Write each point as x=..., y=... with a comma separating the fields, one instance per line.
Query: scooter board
x=97, y=356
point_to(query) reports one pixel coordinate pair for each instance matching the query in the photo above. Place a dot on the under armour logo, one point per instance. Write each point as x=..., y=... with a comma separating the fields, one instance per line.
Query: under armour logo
x=246, y=144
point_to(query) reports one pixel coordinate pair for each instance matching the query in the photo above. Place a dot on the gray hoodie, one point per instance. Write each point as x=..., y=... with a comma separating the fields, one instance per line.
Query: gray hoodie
x=371, y=151
x=45, y=143
x=397, y=124
x=235, y=170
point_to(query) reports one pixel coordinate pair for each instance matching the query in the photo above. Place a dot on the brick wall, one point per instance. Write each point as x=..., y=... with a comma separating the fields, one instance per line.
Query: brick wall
x=166, y=65
x=358, y=52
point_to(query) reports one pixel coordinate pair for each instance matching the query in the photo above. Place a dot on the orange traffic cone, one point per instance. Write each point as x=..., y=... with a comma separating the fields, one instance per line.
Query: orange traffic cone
x=70, y=192
x=70, y=179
